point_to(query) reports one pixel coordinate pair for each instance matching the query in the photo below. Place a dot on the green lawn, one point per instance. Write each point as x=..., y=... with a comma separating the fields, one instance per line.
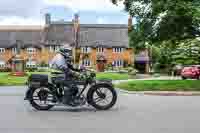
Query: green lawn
x=161, y=85
x=7, y=80
x=113, y=76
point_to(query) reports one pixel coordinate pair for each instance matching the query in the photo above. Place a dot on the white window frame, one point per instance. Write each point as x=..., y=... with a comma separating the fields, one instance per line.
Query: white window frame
x=100, y=49
x=118, y=63
x=118, y=50
x=2, y=64
x=31, y=50
x=85, y=49
x=14, y=50
x=86, y=62
x=2, y=50
x=31, y=64
x=54, y=48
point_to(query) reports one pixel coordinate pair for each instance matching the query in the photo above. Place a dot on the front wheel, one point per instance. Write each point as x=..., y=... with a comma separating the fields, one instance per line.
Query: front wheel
x=102, y=97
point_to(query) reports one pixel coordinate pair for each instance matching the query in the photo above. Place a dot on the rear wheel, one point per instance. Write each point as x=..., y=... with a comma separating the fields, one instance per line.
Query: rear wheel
x=41, y=99
x=102, y=97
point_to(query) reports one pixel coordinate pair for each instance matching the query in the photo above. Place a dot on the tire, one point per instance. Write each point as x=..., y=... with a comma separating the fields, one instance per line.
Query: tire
x=36, y=106
x=92, y=91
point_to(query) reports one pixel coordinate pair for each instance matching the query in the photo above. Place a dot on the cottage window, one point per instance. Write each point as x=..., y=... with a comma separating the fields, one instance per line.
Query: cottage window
x=54, y=48
x=100, y=49
x=2, y=50
x=31, y=64
x=85, y=49
x=14, y=50
x=118, y=50
x=86, y=62
x=118, y=63
x=2, y=64
x=31, y=50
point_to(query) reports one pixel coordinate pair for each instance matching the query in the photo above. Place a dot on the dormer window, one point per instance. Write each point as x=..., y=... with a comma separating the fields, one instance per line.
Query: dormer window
x=54, y=48
x=2, y=50
x=100, y=49
x=118, y=50
x=14, y=50
x=85, y=49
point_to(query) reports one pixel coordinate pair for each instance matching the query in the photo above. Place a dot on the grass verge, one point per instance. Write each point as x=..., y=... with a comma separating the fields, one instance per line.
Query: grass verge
x=7, y=80
x=113, y=76
x=160, y=85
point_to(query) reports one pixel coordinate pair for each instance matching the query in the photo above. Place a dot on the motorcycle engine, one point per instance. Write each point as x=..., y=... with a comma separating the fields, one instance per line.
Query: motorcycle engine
x=70, y=97
x=67, y=97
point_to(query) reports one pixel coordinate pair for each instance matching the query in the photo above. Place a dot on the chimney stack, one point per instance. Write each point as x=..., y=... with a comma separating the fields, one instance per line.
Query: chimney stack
x=47, y=19
x=76, y=17
x=76, y=23
x=130, y=23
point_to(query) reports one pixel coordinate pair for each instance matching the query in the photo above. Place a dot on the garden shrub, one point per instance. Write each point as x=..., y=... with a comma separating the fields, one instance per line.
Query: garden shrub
x=5, y=70
x=31, y=69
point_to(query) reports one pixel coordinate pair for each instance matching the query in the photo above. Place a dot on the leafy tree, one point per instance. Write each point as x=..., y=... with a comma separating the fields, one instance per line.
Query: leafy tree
x=170, y=28
x=187, y=52
x=167, y=19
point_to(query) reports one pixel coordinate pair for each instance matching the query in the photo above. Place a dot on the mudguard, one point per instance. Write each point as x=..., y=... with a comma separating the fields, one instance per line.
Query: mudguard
x=32, y=88
x=28, y=93
x=94, y=86
x=105, y=81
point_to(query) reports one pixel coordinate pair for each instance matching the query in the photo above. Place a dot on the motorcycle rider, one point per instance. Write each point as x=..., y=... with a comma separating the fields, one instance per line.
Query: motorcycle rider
x=63, y=61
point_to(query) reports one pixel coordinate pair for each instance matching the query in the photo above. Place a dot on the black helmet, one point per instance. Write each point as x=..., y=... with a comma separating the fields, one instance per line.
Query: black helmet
x=66, y=52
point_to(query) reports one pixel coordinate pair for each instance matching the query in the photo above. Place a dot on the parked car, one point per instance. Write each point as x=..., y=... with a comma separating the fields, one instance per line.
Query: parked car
x=191, y=72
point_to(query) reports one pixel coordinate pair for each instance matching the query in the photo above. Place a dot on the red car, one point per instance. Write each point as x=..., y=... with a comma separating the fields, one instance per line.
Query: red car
x=192, y=72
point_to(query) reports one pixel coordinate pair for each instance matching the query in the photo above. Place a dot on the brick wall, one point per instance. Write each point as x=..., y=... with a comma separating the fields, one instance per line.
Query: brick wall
x=126, y=55
x=44, y=55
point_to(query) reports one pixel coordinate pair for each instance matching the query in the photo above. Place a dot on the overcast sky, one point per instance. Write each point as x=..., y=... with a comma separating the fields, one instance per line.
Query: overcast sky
x=31, y=12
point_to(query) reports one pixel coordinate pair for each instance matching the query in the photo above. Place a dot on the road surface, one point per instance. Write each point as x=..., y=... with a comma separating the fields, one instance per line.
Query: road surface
x=132, y=114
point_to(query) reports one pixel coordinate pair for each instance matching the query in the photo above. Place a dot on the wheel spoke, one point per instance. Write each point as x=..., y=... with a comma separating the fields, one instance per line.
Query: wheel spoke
x=98, y=100
x=106, y=100
x=99, y=92
x=105, y=91
x=110, y=95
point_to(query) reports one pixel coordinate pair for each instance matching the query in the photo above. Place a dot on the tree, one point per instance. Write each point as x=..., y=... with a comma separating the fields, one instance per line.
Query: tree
x=167, y=25
x=168, y=19
x=187, y=52
x=140, y=34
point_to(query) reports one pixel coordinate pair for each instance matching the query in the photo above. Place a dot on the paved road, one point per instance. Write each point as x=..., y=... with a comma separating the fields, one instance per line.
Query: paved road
x=133, y=113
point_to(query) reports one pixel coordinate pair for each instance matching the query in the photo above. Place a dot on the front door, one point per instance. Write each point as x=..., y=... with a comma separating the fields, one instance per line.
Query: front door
x=140, y=66
x=100, y=66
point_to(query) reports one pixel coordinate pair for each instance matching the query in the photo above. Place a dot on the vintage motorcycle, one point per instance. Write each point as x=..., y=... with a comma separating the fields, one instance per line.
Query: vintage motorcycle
x=46, y=91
